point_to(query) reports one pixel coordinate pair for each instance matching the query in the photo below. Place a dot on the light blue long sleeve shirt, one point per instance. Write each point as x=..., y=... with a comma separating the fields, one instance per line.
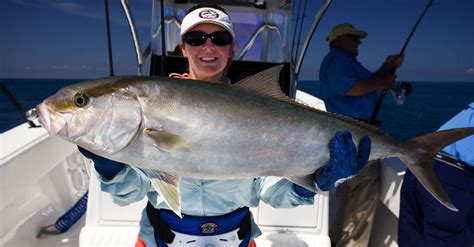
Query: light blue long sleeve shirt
x=462, y=149
x=339, y=72
x=203, y=197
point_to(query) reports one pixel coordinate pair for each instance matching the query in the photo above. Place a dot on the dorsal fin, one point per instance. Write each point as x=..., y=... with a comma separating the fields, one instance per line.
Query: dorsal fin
x=339, y=116
x=357, y=122
x=266, y=83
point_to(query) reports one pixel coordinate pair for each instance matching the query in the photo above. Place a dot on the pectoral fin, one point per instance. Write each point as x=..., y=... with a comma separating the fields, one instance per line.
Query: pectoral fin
x=305, y=181
x=166, y=141
x=167, y=186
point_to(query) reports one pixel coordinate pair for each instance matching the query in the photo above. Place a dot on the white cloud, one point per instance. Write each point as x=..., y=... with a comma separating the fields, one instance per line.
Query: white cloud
x=470, y=71
x=67, y=67
x=62, y=6
x=28, y=3
x=67, y=7
x=89, y=9
x=76, y=9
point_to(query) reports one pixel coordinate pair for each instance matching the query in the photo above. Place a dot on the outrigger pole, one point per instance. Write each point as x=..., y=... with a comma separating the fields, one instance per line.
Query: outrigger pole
x=136, y=42
x=163, y=39
x=376, y=110
x=68, y=219
x=109, y=42
x=317, y=19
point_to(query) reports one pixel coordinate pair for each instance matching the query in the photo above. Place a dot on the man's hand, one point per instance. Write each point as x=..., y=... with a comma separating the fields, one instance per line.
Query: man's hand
x=387, y=82
x=105, y=167
x=344, y=163
x=393, y=61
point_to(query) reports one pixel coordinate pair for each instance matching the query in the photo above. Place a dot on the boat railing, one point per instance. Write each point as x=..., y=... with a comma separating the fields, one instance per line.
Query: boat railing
x=136, y=42
x=254, y=36
x=314, y=25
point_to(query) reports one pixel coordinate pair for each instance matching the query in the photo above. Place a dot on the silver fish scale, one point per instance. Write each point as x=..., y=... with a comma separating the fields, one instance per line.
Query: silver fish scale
x=231, y=133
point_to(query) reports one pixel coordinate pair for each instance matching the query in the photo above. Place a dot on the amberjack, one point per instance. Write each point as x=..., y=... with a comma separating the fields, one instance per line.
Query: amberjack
x=180, y=127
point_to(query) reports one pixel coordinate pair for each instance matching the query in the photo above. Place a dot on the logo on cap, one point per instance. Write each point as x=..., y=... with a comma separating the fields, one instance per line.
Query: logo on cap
x=208, y=14
x=208, y=228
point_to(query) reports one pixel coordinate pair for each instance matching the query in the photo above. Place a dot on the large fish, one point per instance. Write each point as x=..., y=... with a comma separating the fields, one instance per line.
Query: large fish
x=178, y=127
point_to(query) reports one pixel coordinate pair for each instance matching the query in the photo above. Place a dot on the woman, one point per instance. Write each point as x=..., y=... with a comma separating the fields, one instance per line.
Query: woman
x=215, y=209
x=207, y=43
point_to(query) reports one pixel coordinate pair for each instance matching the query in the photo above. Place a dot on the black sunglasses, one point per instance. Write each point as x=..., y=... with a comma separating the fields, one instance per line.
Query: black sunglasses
x=355, y=38
x=197, y=38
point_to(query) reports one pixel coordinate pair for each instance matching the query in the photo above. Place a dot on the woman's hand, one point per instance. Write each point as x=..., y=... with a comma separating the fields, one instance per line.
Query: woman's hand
x=105, y=167
x=344, y=163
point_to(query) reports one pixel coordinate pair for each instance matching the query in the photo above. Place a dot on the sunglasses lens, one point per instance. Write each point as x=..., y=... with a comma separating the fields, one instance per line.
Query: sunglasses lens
x=221, y=38
x=195, y=38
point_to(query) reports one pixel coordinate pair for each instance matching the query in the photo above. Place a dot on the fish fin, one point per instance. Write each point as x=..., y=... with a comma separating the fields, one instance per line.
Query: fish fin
x=305, y=181
x=420, y=161
x=266, y=83
x=167, y=186
x=166, y=141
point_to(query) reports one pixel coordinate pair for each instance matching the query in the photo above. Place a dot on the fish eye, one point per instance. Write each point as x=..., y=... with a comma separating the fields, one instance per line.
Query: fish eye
x=81, y=99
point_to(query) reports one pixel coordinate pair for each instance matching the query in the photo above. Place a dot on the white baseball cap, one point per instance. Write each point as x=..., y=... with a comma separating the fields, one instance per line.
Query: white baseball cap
x=206, y=15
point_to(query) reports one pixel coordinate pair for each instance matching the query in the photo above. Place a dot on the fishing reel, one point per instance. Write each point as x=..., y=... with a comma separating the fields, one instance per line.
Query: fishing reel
x=400, y=91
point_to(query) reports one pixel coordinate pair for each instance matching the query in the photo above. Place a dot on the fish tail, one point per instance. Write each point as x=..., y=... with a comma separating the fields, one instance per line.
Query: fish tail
x=422, y=151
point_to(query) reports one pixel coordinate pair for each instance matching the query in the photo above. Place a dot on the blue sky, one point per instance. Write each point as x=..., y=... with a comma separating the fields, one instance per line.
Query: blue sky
x=67, y=39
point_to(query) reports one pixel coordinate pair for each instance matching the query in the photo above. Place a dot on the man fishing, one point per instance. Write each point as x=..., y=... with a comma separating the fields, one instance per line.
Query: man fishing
x=217, y=210
x=349, y=89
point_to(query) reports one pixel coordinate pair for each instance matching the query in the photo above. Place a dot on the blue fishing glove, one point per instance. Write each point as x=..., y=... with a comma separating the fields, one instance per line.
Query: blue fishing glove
x=105, y=167
x=344, y=163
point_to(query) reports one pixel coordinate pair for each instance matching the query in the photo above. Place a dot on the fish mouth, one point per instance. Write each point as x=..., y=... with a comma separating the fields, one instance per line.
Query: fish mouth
x=51, y=122
x=43, y=116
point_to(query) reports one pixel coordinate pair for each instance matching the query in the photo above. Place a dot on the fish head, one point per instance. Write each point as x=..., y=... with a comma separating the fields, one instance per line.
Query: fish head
x=99, y=115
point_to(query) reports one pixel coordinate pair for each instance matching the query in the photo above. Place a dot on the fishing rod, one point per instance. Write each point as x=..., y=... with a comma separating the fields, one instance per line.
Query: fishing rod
x=378, y=105
x=30, y=115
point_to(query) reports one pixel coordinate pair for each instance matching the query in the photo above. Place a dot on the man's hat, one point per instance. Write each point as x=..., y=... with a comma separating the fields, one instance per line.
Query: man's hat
x=345, y=29
x=206, y=15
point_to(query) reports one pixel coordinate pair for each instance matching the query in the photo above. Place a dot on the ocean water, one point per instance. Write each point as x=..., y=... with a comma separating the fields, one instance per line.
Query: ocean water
x=28, y=93
x=425, y=110
x=429, y=106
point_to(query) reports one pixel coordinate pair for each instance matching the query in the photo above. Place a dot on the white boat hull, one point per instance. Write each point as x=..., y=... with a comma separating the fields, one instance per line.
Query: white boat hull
x=40, y=179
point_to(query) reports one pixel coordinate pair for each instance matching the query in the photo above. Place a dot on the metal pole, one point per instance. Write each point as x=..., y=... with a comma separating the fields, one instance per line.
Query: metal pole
x=297, y=18
x=163, y=44
x=301, y=28
x=136, y=42
x=308, y=38
x=315, y=23
x=378, y=105
x=109, y=42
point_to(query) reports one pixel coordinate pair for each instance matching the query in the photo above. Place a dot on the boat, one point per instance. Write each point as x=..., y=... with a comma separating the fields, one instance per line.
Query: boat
x=42, y=176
